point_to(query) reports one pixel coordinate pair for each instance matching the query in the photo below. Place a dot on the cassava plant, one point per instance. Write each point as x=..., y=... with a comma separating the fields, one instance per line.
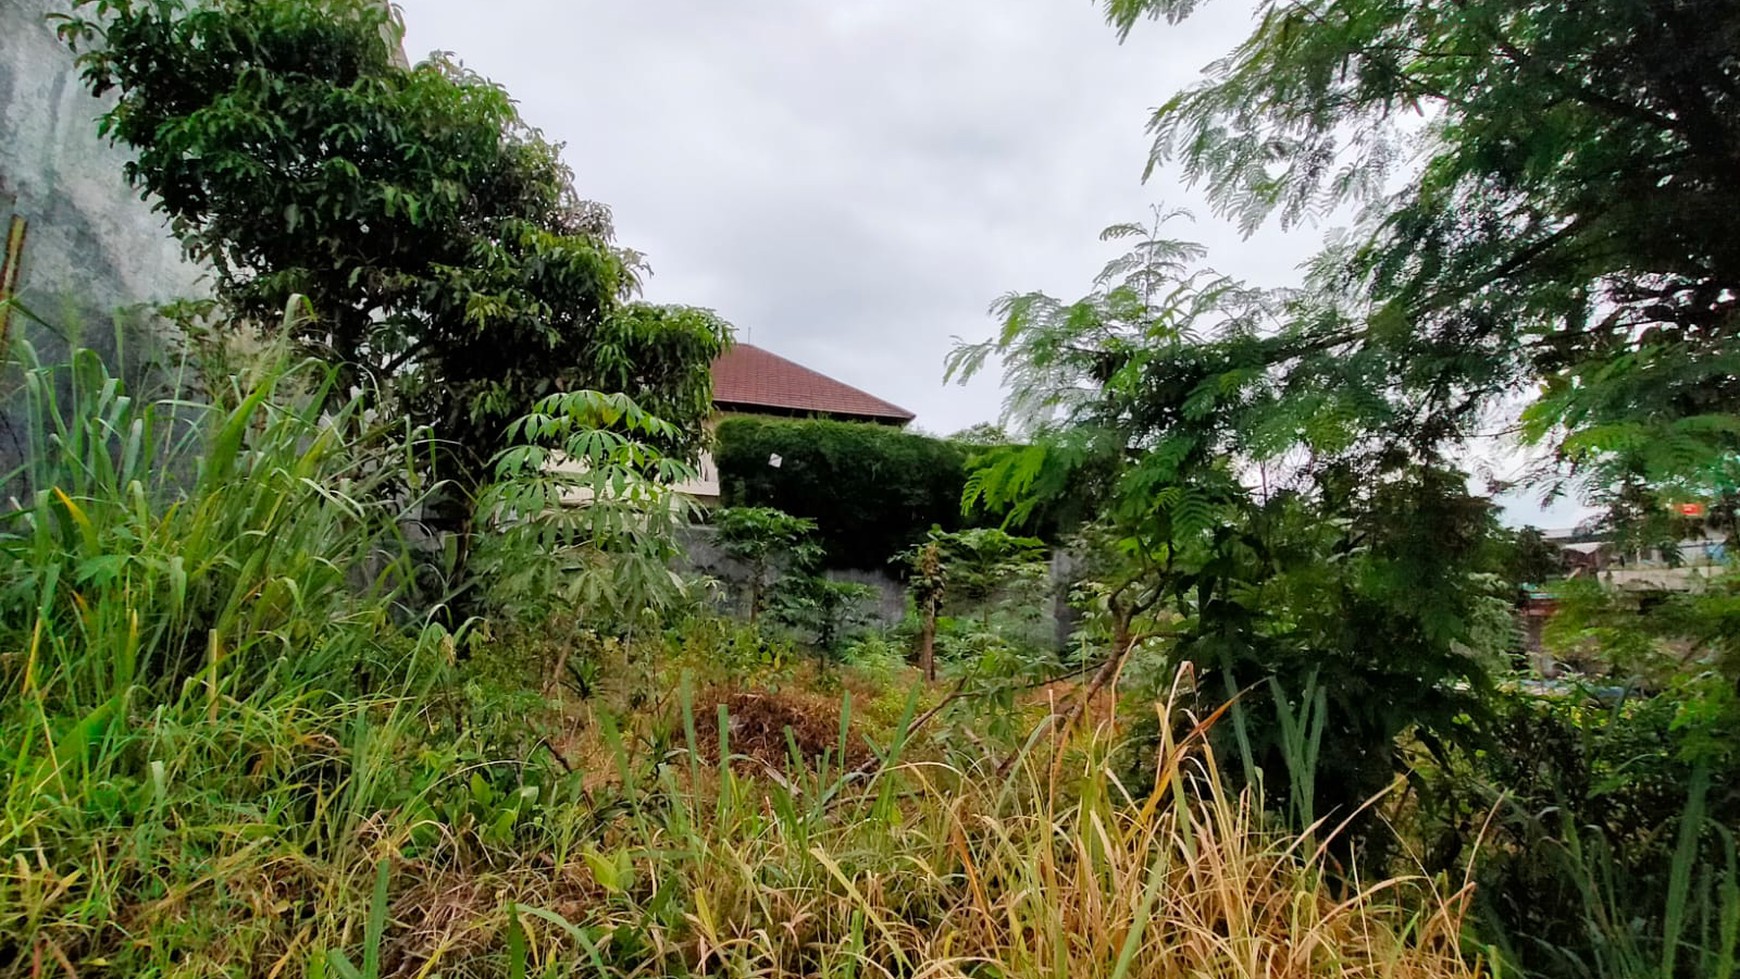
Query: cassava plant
x=584, y=518
x=769, y=544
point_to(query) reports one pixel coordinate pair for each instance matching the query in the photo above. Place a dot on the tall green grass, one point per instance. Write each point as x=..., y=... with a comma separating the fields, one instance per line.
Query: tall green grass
x=197, y=610
x=1626, y=924
x=178, y=550
x=230, y=748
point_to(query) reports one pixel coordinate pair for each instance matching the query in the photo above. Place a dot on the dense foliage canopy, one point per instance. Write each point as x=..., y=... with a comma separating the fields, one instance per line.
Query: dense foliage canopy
x=1367, y=580
x=871, y=490
x=438, y=237
x=1543, y=191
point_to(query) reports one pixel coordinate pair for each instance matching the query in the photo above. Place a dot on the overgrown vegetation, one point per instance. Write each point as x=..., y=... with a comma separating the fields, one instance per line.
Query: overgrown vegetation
x=267, y=709
x=872, y=490
x=217, y=699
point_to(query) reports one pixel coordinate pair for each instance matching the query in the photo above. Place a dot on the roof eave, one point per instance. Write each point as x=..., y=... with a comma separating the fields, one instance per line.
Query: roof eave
x=903, y=417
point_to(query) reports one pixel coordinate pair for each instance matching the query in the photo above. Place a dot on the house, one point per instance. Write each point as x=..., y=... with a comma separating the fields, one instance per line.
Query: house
x=1643, y=575
x=748, y=380
x=1681, y=567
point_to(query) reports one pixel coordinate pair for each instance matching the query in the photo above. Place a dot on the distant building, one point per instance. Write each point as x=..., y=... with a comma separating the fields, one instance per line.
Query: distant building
x=1537, y=608
x=748, y=380
x=1681, y=567
x=1644, y=576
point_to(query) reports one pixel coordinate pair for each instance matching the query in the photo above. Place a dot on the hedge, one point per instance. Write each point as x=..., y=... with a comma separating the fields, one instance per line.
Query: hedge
x=872, y=490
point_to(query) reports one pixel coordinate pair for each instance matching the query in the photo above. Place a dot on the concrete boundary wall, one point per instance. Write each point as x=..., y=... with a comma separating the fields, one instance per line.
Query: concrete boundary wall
x=703, y=556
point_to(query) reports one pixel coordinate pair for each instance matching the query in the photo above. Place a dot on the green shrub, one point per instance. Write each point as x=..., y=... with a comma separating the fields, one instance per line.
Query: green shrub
x=1600, y=831
x=871, y=490
x=825, y=612
x=880, y=657
x=719, y=648
x=773, y=547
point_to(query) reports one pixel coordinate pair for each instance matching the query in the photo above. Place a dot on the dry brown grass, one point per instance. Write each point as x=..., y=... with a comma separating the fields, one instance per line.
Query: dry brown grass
x=930, y=871
x=760, y=719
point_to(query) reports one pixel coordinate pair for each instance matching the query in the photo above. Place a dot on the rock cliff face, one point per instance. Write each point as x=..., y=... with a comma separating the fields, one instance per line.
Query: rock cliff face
x=91, y=240
x=86, y=247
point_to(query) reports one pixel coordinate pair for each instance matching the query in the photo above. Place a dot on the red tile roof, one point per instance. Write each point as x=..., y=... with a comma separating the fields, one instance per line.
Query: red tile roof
x=747, y=376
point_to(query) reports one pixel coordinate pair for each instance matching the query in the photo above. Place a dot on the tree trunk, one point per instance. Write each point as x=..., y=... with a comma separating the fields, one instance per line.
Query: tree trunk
x=927, y=642
x=929, y=580
x=1122, y=639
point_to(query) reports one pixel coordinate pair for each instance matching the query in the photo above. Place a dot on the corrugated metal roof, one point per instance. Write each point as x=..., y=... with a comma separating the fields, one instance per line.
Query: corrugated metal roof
x=750, y=377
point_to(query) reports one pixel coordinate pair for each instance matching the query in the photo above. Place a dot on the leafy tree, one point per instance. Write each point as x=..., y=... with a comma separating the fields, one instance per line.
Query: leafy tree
x=438, y=236
x=1079, y=386
x=1562, y=228
x=1235, y=536
x=1529, y=559
x=968, y=569
x=768, y=543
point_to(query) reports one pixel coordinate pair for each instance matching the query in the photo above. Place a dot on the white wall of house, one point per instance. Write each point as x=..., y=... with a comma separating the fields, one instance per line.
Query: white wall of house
x=705, y=486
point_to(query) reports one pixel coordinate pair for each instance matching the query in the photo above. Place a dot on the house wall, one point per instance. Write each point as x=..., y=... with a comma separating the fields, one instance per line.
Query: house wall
x=705, y=488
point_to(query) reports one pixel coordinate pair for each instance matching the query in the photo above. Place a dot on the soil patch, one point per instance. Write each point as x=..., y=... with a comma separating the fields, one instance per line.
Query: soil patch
x=758, y=721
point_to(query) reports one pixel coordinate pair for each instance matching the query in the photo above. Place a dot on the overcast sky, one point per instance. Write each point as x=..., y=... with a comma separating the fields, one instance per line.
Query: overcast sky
x=852, y=182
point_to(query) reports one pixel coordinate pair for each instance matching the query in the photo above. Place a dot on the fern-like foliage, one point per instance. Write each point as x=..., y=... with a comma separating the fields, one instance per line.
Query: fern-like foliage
x=1260, y=511
x=1544, y=192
